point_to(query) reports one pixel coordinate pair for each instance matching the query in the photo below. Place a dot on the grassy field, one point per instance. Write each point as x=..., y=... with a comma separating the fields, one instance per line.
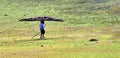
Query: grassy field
x=83, y=20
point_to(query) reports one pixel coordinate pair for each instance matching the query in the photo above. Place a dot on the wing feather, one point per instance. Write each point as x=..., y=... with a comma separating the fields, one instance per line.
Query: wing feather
x=42, y=18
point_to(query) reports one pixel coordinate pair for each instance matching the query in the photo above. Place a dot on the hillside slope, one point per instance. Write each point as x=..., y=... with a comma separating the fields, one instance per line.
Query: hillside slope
x=84, y=20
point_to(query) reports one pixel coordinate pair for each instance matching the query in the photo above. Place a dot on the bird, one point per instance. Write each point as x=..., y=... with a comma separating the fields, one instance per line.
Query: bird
x=45, y=18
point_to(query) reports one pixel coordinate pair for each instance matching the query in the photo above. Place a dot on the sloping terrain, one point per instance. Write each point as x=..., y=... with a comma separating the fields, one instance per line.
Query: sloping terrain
x=83, y=20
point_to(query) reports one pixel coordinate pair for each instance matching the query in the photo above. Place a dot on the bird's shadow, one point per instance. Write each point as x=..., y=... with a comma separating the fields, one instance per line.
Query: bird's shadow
x=37, y=39
x=28, y=40
x=48, y=38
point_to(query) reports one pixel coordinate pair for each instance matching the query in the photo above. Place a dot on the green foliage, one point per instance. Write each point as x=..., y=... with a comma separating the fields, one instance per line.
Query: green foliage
x=74, y=12
x=114, y=10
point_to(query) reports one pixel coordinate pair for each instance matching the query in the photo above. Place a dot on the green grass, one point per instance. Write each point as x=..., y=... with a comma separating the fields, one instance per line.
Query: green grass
x=84, y=20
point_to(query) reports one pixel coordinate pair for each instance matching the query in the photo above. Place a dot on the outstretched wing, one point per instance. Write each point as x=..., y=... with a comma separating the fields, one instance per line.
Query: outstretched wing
x=30, y=19
x=42, y=18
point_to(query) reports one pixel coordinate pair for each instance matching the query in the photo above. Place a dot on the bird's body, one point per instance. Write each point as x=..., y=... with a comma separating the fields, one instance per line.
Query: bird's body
x=45, y=18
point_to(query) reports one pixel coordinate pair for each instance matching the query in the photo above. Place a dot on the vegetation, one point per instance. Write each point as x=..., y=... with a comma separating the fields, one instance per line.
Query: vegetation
x=84, y=20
